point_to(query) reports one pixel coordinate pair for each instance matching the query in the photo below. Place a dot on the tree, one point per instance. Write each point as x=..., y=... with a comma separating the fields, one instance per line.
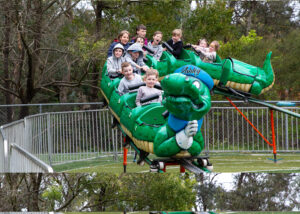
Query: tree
x=211, y=21
x=258, y=192
x=266, y=17
x=207, y=191
x=31, y=61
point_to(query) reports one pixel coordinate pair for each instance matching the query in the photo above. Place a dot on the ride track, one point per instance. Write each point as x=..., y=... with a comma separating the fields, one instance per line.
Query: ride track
x=171, y=129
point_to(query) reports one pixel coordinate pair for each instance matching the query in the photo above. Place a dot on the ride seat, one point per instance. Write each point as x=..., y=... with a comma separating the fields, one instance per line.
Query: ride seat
x=184, y=56
x=130, y=100
x=218, y=59
x=153, y=116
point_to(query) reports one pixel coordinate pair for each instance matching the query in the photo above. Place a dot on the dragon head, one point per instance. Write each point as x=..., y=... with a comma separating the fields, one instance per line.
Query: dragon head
x=186, y=96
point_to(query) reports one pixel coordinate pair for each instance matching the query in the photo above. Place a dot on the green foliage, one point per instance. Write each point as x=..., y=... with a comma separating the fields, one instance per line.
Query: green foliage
x=286, y=62
x=164, y=16
x=158, y=192
x=53, y=194
x=212, y=22
x=87, y=48
x=258, y=192
x=240, y=47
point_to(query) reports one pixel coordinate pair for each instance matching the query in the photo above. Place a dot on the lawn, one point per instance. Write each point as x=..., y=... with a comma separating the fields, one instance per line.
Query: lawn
x=222, y=162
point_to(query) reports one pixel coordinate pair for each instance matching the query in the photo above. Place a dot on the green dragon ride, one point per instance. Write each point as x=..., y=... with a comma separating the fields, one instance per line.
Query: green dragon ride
x=186, y=85
x=227, y=72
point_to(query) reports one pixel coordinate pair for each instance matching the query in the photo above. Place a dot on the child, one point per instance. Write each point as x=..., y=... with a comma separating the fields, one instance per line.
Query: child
x=176, y=42
x=115, y=61
x=134, y=55
x=210, y=54
x=141, y=31
x=155, y=45
x=202, y=45
x=123, y=39
x=140, y=40
x=129, y=78
x=150, y=78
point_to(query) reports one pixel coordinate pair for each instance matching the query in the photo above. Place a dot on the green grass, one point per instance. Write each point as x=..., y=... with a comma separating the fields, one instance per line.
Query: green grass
x=256, y=212
x=137, y=212
x=222, y=162
x=247, y=162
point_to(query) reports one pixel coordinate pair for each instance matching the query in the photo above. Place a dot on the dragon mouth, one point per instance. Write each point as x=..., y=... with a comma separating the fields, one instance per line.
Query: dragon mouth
x=177, y=100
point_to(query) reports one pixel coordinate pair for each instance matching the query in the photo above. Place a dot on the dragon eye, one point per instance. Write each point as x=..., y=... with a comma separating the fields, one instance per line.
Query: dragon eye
x=197, y=84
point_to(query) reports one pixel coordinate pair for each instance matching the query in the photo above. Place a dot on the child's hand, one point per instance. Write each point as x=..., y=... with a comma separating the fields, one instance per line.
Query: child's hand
x=145, y=68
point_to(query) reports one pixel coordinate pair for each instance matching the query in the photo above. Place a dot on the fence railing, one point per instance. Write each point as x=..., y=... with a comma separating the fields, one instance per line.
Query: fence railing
x=15, y=150
x=225, y=130
x=61, y=137
x=9, y=113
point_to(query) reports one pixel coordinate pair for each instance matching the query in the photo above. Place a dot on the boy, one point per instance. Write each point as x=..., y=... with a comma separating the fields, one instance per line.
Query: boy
x=115, y=61
x=209, y=54
x=176, y=43
x=150, y=78
x=135, y=56
x=155, y=45
x=141, y=31
x=129, y=78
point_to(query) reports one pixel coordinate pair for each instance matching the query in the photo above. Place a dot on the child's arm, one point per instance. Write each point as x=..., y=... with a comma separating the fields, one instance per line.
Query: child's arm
x=160, y=96
x=128, y=59
x=159, y=53
x=138, y=97
x=177, y=49
x=209, y=55
x=199, y=48
x=121, y=87
x=110, y=67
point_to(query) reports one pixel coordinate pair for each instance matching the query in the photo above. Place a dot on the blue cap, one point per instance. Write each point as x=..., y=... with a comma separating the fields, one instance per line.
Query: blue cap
x=191, y=70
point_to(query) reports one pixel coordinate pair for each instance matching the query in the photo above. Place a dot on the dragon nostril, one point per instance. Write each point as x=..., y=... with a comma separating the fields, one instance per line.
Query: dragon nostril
x=187, y=79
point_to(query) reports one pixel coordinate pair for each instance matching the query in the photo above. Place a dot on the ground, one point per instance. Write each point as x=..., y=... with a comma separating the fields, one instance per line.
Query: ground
x=222, y=162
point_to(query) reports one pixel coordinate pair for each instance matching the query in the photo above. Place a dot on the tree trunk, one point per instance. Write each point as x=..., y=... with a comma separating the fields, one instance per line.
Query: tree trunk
x=249, y=16
x=64, y=91
x=32, y=56
x=6, y=50
x=14, y=181
x=240, y=180
x=96, y=79
x=99, y=5
x=35, y=182
x=98, y=13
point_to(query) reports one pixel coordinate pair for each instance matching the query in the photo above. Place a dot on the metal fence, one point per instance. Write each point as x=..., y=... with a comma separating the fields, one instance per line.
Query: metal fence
x=225, y=130
x=60, y=137
x=15, y=150
x=9, y=113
